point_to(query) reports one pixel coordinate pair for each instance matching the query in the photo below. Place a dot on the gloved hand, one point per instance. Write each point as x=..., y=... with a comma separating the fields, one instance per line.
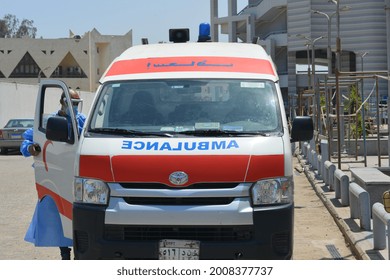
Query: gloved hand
x=34, y=149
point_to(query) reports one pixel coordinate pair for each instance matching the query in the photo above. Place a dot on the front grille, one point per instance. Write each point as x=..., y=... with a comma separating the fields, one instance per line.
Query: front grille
x=193, y=186
x=176, y=201
x=145, y=233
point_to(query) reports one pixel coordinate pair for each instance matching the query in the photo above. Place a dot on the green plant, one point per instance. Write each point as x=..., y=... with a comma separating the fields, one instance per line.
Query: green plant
x=351, y=106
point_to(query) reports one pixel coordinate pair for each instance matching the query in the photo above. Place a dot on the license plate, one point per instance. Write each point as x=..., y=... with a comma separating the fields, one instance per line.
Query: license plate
x=173, y=249
x=16, y=136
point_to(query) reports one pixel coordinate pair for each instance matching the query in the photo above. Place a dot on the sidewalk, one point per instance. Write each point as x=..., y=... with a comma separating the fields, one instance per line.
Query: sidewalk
x=360, y=241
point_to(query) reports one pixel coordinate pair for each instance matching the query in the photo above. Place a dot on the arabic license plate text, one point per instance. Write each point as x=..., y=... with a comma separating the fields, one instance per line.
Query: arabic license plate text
x=172, y=249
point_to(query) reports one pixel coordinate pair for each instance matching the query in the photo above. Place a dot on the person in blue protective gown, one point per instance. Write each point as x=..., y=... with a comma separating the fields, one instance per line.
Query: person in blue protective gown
x=45, y=229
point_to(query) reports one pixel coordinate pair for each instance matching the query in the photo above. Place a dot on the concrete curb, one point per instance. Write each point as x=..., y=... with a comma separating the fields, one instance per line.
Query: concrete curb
x=359, y=242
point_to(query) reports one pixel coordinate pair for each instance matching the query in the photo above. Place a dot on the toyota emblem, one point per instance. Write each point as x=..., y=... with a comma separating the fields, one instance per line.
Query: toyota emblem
x=178, y=178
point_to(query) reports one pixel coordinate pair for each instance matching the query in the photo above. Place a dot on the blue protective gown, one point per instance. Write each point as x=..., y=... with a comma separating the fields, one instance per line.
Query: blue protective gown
x=45, y=228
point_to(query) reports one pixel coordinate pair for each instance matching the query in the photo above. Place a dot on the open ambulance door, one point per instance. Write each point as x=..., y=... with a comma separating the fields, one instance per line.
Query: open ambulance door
x=58, y=141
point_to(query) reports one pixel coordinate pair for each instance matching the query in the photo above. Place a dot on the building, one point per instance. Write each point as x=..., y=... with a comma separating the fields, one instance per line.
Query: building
x=79, y=61
x=293, y=30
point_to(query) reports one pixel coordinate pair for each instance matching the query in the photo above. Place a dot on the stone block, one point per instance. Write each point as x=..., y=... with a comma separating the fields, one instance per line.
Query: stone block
x=374, y=181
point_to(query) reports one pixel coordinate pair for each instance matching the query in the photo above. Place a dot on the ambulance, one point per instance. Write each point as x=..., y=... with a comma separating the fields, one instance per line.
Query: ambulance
x=185, y=154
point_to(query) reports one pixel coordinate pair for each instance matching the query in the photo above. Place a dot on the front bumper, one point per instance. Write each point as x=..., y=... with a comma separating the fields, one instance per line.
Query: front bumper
x=10, y=144
x=269, y=237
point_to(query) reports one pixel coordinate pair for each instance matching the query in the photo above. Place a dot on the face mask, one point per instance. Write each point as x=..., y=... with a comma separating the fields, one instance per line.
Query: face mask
x=75, y=110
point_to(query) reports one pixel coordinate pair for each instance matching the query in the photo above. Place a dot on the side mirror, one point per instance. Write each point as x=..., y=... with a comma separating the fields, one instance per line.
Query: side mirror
x=302, y=129
x=57, y=129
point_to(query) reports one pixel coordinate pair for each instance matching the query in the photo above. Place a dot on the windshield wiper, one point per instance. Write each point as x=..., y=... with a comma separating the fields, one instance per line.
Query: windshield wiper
x=220, y=132
x=129, y=132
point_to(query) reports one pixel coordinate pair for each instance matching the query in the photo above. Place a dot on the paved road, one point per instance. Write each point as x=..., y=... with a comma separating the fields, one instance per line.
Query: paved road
x=17, y=203
x=317, y=236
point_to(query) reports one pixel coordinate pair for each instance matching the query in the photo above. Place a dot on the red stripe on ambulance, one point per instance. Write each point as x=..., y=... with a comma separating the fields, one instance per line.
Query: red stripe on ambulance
x=185, y=64
x=98, y=167
x=64, y=206
x=202, y=168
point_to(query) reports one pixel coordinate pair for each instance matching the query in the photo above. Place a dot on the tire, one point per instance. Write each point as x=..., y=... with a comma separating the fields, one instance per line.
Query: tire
x=3, y=151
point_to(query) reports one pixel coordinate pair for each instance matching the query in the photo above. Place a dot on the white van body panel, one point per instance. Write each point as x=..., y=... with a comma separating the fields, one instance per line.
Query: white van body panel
x=231, y=167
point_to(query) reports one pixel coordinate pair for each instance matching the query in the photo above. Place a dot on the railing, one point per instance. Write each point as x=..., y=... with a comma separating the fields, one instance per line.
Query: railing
x=255, y=4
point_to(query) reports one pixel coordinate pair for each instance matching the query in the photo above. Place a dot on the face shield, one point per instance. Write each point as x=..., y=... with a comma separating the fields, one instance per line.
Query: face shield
x=76, y=105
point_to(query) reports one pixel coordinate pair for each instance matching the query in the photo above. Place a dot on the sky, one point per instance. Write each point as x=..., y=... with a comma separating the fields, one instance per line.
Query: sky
x=147, y=19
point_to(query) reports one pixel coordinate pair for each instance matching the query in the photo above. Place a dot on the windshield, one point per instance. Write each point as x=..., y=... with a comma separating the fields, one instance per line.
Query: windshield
x=172, y=107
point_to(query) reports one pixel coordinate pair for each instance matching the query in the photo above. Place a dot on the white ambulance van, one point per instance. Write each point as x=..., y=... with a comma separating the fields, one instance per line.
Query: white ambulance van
x=185, y=154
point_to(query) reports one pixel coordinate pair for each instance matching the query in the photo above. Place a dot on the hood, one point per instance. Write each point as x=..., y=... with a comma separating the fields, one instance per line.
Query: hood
x=203, y=160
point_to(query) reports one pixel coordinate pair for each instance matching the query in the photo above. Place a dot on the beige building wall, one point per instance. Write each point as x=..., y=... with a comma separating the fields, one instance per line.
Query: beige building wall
x=79, y=61
x=19, y=100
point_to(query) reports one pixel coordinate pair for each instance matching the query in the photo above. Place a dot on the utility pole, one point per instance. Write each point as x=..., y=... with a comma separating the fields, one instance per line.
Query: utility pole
x=387, y=9
x=339, y=109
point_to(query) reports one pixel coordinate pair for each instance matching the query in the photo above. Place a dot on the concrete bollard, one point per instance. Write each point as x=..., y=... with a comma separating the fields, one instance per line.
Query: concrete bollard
x=327, y=165
x=380, y=220
x=308, y=152
x=309, y=155
x=336, y=181
x=314, y=159
x=319, y=166
x=332, y=170
x=342, y=187
x=324, y=153
x=305, y=149
x=359, y=203
x=325, y=177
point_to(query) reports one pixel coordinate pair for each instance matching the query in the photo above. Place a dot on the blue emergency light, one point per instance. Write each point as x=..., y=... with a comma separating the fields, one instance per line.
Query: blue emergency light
x=204, y=32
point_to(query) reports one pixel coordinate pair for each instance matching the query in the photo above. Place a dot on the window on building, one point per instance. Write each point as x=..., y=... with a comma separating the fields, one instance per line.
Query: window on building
x=26, y=68
x=68, y=68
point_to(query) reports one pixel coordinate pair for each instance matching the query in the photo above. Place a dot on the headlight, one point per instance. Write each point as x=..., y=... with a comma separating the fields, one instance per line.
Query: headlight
x=91, y=191
x=273, y=191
